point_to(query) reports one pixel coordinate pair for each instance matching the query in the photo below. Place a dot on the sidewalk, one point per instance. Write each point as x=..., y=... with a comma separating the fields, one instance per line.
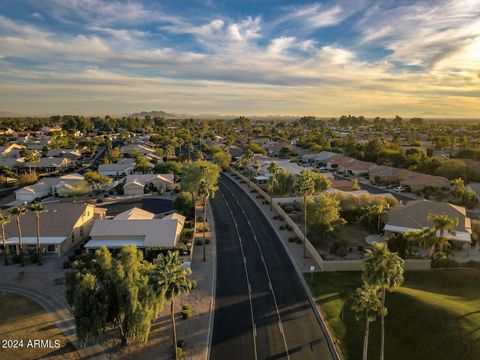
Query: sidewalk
x=296, y=250
x=196, y=330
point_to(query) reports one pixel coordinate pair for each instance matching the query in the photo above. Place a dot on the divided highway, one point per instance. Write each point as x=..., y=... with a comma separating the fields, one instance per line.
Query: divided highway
x=262, y=310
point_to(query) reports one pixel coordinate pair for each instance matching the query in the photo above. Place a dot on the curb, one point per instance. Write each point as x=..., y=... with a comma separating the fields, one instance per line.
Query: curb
x=318, y=315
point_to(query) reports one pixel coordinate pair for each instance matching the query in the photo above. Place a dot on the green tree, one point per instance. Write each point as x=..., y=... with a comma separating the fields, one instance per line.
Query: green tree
x=184, y=202
x=273, y=170
x=323, y=215
x=373, y=213
x=17, y=212
x=37, y=209
x=383, y=269
x=458, y=189
x=194, y=171
x=4, y=220
x=305, y=187
x=206, y=192
x=94, y=178
x=440, y=225
x=117, y=292
x=366, y=305
x=321, y=182
x=142, y=165
x=355, y=185
x=222, y=159
x=173, y=279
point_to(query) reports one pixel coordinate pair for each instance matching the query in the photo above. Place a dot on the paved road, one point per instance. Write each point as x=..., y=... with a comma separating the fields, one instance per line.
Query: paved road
x=262, y=310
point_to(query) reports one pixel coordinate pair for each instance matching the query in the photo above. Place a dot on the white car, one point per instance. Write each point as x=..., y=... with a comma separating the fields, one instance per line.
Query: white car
x=399, y=189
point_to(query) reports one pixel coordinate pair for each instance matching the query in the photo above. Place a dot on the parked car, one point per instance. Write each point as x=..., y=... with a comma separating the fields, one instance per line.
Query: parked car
x=399, y=189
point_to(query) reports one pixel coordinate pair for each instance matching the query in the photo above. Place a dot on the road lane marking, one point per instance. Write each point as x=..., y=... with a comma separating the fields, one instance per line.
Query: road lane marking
x=254, y=327
x=263, y=261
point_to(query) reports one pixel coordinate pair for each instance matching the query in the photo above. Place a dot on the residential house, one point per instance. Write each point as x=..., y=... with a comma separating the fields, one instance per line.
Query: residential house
x=49, y=186
x=273, y=147
x=143, y=150
x=414, y=216
x=417, y=181
x=11, y=150
x=71, y=154
x=319, y=159
x=139, y=228
x=350, y=166
x=62, y=226
x=123, y=167
x=49, y=164
x=135, y=185
x=387, y=174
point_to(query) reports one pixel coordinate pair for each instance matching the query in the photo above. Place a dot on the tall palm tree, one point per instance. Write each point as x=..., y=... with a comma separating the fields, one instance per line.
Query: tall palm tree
x=305, y=187
x=248, y=156
x=273, y=170
x=4, y=220
x=366, y=305
x=37, y=208
x=440, y=225
x=18, y=211
x=173, y=279
x=383, y=269
x=206, y=192
x=374, y=213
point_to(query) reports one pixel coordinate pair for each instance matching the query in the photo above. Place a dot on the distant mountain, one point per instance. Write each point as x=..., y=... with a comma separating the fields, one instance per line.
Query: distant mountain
x=9, y=113
x=153, y=114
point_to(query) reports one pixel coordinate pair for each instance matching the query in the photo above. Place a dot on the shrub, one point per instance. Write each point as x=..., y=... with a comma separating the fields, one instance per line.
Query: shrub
x=181, y=343
x=199, y=242
x=184, y=202
x=186, y=313
x=179, y=352
x=298, y=240
x=291, y=239
x=444, y=263
x=282, y=227
x=66, y=264
x=288, y=227
x=207, y=241
x=339, y=248
x=34, y=258
x=99, y=201
x=17, y=259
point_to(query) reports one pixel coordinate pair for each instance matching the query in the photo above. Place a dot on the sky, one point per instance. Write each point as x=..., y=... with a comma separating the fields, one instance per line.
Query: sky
x=324, y=58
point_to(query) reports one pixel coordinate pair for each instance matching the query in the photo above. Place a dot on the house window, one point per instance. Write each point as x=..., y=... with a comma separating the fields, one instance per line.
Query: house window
x=51, y=248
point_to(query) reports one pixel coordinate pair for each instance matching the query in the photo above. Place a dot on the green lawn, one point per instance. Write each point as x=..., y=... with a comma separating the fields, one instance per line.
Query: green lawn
x=434, y=315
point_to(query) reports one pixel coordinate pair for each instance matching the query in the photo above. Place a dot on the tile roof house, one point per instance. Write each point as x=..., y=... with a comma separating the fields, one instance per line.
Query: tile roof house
x=417, y=181
x=345, y=164
x=49, y=164
x=135, y=184
x=123, y=167
x=49, y=186
x=62, y=226
x=414, y=216
x=387, y=174
x=320, y=158
x=141, y=230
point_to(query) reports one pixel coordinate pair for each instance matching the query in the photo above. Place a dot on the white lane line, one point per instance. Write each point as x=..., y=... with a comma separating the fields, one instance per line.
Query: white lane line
x=254, y=327
x=264, y=264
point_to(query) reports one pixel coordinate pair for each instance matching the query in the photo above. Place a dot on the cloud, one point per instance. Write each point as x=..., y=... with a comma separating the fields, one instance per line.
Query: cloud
x=426, y=34
x=38, y=16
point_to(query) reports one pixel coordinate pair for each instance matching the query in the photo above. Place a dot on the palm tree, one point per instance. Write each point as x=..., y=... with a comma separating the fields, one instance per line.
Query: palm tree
x=366, y=305
x=273, y=170
x=305, y=187
x=440, y=225
x=173, y=279
x=248, y=156
x=37, y=209
x=206, y=192
x=4, y=220
x=383, y=269
x=18, y=211
x=374, y=212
